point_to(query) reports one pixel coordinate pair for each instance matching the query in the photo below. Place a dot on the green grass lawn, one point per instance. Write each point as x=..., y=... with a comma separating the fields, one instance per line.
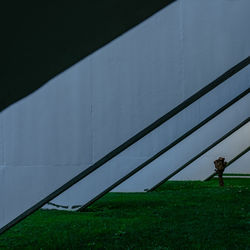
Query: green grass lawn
x=236, y=174
x=178, y=215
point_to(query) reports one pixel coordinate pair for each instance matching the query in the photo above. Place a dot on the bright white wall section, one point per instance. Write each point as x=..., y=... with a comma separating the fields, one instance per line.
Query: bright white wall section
x=240, y=166
x=229, y=148
x=96, y=105
x=177, y=156
x=160, y=138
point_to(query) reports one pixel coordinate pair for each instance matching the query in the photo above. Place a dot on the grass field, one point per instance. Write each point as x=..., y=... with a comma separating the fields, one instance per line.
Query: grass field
x=236, y=174
x=178, y=215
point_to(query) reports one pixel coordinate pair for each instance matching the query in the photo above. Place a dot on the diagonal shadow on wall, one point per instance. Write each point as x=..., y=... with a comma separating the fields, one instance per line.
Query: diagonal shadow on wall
x=42, y=39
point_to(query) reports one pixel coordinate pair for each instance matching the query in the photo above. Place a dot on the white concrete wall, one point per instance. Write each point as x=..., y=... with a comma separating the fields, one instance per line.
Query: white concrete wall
x=160, y=138
x=93, y=107
x=177, y=156
x=162, y=166
x=240, y=166
x=229, y=148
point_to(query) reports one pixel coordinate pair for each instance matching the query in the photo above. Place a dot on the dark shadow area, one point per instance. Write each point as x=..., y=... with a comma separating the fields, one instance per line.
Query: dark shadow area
x=42, y=39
